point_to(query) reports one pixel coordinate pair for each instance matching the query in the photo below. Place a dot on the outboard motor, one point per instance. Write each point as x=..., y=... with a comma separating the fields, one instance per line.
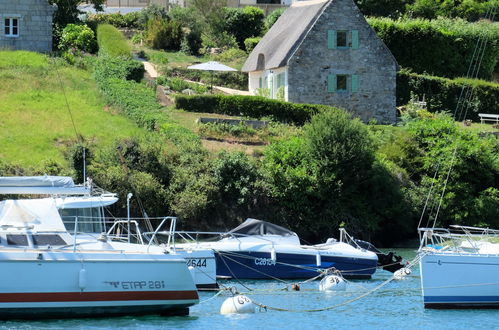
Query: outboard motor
x=388, y=261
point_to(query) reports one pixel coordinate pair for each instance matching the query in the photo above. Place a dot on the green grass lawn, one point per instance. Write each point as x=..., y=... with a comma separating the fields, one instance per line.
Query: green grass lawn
x=36, y=125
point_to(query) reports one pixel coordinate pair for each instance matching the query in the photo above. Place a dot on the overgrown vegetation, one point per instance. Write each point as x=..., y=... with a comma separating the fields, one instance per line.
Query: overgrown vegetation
x=250, y=106
x=112, y=42
x=442, y=94
x=440, y=47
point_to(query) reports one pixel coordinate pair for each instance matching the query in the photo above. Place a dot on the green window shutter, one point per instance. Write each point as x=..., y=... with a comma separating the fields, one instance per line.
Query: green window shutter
x=260, y=82
x=355, y=39
x=355, y=83
x=331, y=83
x=331, y=39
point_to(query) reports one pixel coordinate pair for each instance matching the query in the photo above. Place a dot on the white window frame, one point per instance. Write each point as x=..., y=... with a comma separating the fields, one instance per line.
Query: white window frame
x=11, y=19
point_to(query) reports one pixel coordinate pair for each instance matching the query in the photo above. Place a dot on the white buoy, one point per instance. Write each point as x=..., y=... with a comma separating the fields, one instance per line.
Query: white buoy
x=237, y=305
x=273, y=255
x=401, y=273
x=318, y=260
x=82, y=279
x=332, y=283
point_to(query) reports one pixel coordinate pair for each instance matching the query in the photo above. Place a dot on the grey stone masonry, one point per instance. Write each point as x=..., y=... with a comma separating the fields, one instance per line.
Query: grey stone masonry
x=369, y=62
x=34, y=25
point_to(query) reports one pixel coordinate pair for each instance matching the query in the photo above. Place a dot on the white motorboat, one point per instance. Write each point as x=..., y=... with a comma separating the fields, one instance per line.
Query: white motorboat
x=47, y=273
x=88, y=213
x=459, y=267
x=257, y=249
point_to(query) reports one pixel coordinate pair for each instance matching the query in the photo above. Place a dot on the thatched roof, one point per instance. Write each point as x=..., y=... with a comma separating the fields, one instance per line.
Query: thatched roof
x=280, y=42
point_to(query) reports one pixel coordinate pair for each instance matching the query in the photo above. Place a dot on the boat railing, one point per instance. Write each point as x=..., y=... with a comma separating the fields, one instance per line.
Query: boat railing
x=345, y=237
x=442, y=238
x=118, y=229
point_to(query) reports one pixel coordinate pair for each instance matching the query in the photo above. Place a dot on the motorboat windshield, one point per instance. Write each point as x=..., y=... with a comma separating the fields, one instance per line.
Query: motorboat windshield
x=259, y=227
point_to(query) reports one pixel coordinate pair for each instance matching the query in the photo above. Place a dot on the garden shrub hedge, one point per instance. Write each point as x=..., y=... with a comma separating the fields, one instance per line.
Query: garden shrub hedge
x=249, y=106
x=118, y=67
x=440, y=47
x=442, y=94
x=112, y=42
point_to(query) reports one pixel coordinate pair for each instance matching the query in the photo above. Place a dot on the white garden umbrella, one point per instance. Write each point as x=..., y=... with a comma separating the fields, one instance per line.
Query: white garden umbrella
x=211, y=66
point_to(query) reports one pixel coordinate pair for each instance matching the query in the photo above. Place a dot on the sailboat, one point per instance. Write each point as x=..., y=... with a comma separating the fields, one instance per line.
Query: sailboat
x=48, y=273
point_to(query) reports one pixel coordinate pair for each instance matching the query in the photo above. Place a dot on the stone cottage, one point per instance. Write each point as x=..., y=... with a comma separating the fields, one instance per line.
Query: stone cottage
x=26, y=25
x=324, y=52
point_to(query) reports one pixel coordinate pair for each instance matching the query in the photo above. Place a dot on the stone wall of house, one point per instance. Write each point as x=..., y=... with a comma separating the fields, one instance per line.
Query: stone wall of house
x=35, y=24
x=371, y=62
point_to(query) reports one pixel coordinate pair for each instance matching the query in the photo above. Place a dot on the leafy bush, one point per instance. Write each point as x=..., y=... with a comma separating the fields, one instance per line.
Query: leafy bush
x=162, y=34
x=442, y=94
x=243, y=23
x=129, y=20
x=471, y=10
x=472, y=164
x=330, y=174
x=152, y=12
x=444, y=47
x=273, y=17
x=118, y=67
x=250, y=106
x=112, y=42
x=79, y=37
x=250, y=43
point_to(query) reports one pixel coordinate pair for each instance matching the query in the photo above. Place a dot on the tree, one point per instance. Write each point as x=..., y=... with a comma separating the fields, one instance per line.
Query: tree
x=243, y=23
x=67, y=11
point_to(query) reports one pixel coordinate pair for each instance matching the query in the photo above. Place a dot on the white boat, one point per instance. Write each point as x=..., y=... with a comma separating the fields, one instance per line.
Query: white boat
x=257, y=249
x=46, y=273
x=459, y=267
x=89, y=215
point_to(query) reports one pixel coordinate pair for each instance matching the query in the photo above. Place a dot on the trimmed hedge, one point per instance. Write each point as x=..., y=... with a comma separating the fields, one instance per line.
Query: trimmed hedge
x=137, y=101
x=118, y=67
x=112, y=42
x=249, y=106
x=441, y=47
x=442, y=94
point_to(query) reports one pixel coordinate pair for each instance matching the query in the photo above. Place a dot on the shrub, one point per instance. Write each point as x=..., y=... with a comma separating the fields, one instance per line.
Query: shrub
x=151, y=12
x=79, y=37
x=442, y=94
x=444, y=47
x=243, y=23
x=129, y=20
x=250, y=43
x=162, y=34
x=273, y=17
x=249, y=106
x=118, y=67
x=236, y=80
x=112, y=42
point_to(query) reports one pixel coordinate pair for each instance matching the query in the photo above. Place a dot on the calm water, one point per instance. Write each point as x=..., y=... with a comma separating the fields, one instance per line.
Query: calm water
x=397, y=305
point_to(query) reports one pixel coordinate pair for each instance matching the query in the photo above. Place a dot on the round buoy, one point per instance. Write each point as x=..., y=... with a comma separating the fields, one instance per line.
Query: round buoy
x=237, y=305
x=401, y=273
x=332, y=283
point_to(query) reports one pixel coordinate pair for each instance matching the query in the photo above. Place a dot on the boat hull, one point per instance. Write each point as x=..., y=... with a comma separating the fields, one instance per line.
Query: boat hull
x=65, y=284
x=259, y=265
x=452, y=280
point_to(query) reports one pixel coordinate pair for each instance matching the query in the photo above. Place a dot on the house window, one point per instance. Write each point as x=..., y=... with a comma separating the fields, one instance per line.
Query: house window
x=341, y=39
x=11, y=27
x=341, y=83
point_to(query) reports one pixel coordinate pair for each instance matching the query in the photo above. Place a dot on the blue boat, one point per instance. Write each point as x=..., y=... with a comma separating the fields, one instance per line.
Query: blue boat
x=258, y=249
